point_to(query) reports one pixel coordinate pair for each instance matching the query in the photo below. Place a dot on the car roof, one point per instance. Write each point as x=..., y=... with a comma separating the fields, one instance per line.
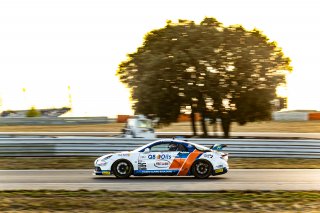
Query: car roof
x=162, y=141
x=171, y=140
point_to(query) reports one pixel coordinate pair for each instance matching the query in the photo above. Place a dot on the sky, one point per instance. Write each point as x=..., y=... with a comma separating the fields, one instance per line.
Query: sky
x=48, y=46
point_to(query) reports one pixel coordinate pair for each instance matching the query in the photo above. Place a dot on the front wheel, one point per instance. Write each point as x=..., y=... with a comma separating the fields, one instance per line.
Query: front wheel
x=202, y=169
x=122, y=169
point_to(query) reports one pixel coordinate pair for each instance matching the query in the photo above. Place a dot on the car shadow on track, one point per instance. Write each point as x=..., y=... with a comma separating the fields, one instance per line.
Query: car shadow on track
x=157, y=178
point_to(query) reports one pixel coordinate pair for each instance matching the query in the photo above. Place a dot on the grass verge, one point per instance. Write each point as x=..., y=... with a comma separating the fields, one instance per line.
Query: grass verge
x=87, y=163
x=104, y=201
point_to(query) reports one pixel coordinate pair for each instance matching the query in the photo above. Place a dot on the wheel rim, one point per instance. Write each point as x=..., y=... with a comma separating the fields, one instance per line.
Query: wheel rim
x=122, y=168
x=202, y=168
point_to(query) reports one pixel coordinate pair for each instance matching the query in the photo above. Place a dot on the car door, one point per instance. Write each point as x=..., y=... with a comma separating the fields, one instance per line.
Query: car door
x=158, y=160
x=182, y=154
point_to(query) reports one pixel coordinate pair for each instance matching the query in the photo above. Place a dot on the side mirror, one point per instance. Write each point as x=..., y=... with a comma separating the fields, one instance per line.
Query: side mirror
x=146, y=150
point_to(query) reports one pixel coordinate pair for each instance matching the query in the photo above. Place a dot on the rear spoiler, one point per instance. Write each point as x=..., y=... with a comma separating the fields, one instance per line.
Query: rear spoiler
x=218, y=147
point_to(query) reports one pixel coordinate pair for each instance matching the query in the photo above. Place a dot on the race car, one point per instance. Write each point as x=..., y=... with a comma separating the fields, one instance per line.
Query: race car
x=165, y=157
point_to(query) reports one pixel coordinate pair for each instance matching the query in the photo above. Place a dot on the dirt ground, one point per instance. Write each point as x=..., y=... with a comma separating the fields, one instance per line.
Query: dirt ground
x=266, y=126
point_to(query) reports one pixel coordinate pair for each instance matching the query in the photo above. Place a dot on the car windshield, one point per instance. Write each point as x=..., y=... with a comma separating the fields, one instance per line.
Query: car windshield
x=197, y=146
x=142, y=147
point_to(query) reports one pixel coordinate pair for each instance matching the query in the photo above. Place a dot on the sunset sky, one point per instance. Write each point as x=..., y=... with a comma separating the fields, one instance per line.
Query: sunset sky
x=47, y=45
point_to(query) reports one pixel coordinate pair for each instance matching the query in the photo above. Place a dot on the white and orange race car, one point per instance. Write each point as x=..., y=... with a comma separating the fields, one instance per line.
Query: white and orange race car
x=165, y=157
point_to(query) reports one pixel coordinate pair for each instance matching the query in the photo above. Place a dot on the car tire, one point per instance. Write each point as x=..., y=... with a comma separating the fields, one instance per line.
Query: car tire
x=122, y=169
x=202, y=169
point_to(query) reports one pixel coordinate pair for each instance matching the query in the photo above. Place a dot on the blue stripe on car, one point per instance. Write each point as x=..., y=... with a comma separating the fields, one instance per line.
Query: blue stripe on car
x=154, y=172
x=183, y=155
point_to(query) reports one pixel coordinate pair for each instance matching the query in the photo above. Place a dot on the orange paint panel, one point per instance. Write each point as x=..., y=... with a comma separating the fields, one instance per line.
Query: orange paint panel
x=188, y=163
x=176, y=163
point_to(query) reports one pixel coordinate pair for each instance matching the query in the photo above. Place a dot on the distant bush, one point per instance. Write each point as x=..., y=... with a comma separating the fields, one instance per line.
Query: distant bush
x=33, y=112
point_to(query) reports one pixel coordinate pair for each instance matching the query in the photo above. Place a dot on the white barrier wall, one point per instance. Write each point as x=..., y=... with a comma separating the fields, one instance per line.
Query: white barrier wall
x=290, y=116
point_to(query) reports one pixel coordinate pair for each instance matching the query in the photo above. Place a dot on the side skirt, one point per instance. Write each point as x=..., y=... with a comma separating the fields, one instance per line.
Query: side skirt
x=155, y=172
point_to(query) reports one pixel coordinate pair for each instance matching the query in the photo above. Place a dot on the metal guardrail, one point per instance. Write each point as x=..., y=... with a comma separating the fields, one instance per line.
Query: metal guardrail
x=93, y=146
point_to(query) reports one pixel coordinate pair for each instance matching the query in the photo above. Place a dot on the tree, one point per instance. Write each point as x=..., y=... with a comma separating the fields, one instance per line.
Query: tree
x=226, y=73
x=33, y=112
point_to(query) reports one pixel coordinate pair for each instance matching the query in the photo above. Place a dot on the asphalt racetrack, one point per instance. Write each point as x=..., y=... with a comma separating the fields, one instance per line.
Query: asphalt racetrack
x=235, y=179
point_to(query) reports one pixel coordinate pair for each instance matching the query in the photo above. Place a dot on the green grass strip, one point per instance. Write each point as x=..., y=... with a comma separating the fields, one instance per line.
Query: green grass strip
x=105, y=201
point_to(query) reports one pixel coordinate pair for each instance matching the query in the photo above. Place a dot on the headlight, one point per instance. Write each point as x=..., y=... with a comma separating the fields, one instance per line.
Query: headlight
x=106, y=158
x=102, y=161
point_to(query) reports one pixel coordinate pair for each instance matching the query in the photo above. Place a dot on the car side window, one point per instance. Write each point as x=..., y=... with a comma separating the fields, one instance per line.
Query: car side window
x=162, y=147
x=182, y=148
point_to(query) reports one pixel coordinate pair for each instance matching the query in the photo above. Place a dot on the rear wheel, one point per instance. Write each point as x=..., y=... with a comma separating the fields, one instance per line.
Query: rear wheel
x=122, y=168
x=202, y=169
